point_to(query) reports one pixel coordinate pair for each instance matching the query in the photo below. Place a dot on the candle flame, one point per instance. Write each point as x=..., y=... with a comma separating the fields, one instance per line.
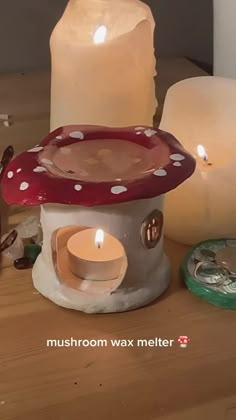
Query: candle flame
x=202, y=152
x=99, y=238
x=100, y=35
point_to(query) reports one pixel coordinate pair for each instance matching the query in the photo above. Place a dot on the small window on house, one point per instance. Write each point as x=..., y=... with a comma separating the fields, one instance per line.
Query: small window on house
x=151, y=230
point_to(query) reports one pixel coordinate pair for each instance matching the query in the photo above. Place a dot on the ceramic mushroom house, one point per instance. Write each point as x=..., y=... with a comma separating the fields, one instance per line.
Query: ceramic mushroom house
x=101, y=194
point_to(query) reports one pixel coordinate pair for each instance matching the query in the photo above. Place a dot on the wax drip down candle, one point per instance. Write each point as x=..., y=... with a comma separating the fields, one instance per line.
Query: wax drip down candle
x=103, y=64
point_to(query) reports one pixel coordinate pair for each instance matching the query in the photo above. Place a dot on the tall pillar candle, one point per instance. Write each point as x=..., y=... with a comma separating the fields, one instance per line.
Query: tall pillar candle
x=103, y=64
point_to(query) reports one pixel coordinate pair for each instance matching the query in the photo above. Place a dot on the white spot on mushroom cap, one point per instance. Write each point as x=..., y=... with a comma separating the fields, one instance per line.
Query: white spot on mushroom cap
x=138, y=133
x=59, y=137
x=177, y=157
x=139, y=128
x=77, y=135
x=19, y=170
x=24, y=186
x=78, y=187
x=150, y=132
x=35, y=149
x=47, y=161
x=10, y=174
x=40, y=197
x=119, y=189
x=160, y=172
x=40, y=169
x=178, y=164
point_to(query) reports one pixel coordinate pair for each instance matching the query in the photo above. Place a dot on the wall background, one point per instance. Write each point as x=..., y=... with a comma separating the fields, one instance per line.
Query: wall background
x=184, y=28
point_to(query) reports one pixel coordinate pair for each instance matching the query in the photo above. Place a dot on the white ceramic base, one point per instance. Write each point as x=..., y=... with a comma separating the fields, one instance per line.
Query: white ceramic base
x=47, y=283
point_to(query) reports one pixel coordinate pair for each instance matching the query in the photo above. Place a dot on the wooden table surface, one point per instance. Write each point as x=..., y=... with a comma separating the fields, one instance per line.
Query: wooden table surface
x=38, y=383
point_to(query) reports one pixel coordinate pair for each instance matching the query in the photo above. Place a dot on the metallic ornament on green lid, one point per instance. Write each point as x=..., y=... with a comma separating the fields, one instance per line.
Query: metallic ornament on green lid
x=209, y=271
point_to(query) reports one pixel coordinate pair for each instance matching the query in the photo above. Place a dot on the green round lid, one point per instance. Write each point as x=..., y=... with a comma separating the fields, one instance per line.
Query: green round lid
x=207, y=276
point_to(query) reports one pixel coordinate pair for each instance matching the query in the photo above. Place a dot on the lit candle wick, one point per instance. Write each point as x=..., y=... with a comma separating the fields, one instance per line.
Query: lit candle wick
x=99, y=238
x=203, y=154
x=100, y=35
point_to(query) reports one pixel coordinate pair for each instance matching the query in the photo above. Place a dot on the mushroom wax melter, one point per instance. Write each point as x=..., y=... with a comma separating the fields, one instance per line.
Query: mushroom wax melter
x=101, y=196
x=103, y=64
x=201, y=113
x=183, y=341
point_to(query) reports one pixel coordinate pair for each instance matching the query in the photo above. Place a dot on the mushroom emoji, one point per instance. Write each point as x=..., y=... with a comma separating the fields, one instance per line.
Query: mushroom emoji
x=183, y=341
x=88, y=179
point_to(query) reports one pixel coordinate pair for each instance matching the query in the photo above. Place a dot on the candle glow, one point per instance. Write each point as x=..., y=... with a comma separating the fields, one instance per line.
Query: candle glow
x=99, y=238
x=100, y=35
x=202, y=152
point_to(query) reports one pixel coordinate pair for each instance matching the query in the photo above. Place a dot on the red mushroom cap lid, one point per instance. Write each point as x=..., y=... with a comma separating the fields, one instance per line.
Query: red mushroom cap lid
x=94, y=166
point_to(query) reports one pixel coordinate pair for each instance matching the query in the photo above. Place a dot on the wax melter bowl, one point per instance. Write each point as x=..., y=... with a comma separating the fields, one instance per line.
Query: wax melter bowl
x=93, y=181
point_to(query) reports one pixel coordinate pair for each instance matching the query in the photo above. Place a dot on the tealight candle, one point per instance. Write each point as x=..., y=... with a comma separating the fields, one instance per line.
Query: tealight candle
x=201, y=113
x=95, y=255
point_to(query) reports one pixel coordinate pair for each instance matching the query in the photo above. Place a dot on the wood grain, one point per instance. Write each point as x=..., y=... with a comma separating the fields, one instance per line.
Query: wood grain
x=132, y=383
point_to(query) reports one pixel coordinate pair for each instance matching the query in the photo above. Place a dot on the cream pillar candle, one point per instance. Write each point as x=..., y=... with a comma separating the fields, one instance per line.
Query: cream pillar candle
x=103, y=64
x=95, y=255
x=201, y=113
